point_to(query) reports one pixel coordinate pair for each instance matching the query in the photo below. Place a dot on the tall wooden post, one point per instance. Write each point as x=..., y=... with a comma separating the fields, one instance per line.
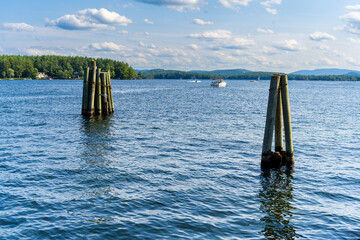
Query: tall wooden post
x=270, y=120
x=111, y=102
x=287, y=120
x=98, y=93
x=277, y=112
x=91, y=108
x=279, y=124
x=85, y=92
x=104, y=101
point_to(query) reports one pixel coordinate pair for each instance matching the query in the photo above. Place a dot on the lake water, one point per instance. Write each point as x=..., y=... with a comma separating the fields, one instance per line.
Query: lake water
x=177, y=160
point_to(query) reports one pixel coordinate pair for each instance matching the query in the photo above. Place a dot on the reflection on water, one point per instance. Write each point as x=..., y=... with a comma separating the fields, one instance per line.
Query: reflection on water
x=97, y=139
x=275, y=197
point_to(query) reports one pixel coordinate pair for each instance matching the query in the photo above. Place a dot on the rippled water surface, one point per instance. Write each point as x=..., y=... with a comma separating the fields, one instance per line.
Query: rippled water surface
x=177, y=160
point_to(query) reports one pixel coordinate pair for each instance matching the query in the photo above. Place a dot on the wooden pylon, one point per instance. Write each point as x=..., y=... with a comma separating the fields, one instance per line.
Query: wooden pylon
x=97, y=92
x=278, y=112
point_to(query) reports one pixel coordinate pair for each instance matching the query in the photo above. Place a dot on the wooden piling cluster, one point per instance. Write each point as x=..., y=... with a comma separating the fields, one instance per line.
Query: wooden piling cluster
x=278, y=112
x=97, y=93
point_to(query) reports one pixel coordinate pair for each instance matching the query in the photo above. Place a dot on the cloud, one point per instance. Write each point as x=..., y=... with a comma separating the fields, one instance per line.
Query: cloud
x=352, y=19
x=148, y=21
x=239, y=43
x=269, y=5
x=289, y=45
x=321, y=36
x=18, y=27
x=193, y=46
x=212, y=35
x=123, y=32
x=322, y=62
x=269, y=50
x=35, y=51
x=267, y=31
x=234, y=44
x=150, y=46
x=90, y=19
x=353, y=8
x=234, y=3
x=201, y=22
x=107, y=47
x=177, y=5
x=271, y=10
x=353, y=40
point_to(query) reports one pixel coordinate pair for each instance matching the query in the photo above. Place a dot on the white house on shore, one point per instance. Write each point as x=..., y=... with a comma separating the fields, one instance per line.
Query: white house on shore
x=42, y=75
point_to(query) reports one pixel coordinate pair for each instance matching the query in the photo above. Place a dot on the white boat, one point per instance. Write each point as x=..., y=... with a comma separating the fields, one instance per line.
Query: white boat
x=218, y=83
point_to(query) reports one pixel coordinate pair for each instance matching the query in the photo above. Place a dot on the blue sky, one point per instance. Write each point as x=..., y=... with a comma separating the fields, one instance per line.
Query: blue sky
x=260, y=35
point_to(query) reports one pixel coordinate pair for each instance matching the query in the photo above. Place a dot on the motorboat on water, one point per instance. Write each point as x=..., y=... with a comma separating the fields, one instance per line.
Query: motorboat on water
x=218, y=83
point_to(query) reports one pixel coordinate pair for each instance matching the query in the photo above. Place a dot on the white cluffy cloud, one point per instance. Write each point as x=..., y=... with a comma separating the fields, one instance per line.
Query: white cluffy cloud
x=177, y=5
x=201, y=22
x=36, y=51
x=289, y=45
x=234, y=3
x=321, y=36
x=107, y=47
x=148, y=21
x=212, y=35
x=269, y=5
x=352, y=19
x=90, y=19
x=238, y=43
x=353, y=8
x=19, y=27
x=266, y=31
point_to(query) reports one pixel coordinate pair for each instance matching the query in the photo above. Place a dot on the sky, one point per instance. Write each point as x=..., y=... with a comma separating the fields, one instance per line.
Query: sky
x=258, y=35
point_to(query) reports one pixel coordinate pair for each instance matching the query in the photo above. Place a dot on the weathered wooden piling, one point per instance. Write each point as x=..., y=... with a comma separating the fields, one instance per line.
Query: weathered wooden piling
x=278, y=111
x=270, y=121
x=96, y=92
x=111, y=101
x=279, y=124
x=92, y=82
x=287, y=120
x=104, y=101
x=85, y=92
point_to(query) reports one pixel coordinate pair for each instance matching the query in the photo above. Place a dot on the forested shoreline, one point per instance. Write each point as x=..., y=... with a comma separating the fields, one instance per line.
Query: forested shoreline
x=62, y=67
x=173, y=74
x=59, y=67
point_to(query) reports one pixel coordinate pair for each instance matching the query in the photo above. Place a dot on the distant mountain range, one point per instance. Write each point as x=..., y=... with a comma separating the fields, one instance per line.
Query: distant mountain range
x=232, y=72
x=328, y=71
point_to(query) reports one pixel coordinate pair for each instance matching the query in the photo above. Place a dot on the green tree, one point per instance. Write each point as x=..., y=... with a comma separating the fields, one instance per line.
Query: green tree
x=10, y=73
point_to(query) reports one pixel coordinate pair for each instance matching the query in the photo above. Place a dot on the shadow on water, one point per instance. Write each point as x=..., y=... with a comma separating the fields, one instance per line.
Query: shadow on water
x=275, y=198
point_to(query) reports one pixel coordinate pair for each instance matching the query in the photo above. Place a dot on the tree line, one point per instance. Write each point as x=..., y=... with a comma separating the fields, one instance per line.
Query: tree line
x=171, y=74
x=60, y=67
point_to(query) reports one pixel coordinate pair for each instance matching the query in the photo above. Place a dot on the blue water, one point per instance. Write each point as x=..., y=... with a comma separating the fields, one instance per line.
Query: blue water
x=177, y=160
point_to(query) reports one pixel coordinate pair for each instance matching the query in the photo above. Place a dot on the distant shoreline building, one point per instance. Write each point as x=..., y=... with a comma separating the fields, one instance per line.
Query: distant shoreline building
x=42, y=75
